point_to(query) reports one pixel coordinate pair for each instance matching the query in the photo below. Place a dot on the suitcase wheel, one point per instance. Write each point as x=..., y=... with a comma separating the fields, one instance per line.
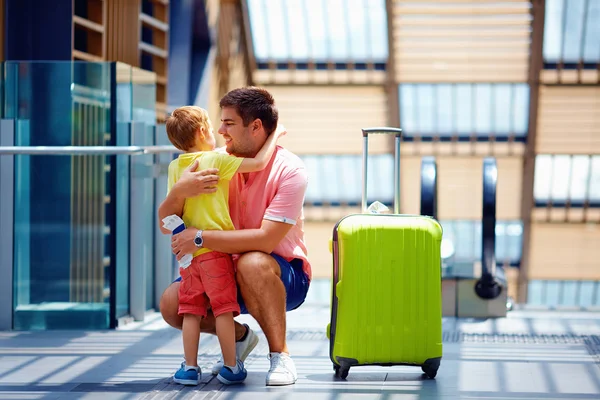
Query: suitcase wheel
x=431, y=366
x=430, y=371
x=341, y=372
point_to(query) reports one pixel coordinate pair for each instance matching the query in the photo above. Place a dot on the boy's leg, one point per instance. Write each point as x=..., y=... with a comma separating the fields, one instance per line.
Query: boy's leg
x=169, y=304
x=219, y=281
x=226, y=335
x=192, y=306
x=218, y=278
x=191, y=337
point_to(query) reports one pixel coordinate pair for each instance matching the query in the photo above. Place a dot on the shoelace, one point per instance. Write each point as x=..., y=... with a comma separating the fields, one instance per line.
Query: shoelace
x=277, y=360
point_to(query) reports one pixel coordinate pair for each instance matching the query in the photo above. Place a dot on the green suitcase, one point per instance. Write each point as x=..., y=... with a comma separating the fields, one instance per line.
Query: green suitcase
x=386, y=294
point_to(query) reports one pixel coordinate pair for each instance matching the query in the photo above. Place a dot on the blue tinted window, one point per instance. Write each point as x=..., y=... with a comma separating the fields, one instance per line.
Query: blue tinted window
x=338, y=178
x=461, y=242
x=559, y=178
x=563, y=293
x=572, y=33
x=319, y=30
x=464, y=109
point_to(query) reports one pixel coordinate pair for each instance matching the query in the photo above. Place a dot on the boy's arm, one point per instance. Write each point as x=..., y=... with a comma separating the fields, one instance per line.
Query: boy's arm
x=171, y=205
x=261, y=160
x=191, y=183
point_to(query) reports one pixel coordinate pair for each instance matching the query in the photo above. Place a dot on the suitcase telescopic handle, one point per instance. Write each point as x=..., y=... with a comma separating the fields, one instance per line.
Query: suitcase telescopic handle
x=397, y=132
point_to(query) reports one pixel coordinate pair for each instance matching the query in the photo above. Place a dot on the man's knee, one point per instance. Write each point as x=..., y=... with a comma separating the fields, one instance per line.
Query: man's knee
x=256, y=264
x=169, y=305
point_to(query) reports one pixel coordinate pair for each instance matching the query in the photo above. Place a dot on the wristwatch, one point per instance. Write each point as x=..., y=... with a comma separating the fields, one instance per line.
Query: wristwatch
x=198, y=241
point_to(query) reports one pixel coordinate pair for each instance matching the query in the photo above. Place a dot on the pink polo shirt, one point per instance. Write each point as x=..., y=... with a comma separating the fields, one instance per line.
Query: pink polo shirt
x=276, y=193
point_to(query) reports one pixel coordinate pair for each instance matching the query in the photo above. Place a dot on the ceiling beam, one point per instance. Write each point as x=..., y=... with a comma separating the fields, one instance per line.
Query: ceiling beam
x=536, y=63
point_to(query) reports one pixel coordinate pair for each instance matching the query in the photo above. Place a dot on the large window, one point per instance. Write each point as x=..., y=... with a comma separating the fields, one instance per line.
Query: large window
x=567, y=178
x=344, y=31
x=337, y=179
x=461, y=243
x=464, y=110
x=572, y=34
x=551, y=293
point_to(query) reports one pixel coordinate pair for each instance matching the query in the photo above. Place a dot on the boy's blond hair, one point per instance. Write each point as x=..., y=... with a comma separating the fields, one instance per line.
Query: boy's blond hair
x=184, y=122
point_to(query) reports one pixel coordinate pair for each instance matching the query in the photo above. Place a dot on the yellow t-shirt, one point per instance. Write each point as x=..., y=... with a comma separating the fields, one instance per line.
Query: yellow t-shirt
x=207, y=211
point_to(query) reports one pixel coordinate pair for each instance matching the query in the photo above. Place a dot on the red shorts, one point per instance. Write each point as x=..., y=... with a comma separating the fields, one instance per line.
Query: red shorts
x=210, y=278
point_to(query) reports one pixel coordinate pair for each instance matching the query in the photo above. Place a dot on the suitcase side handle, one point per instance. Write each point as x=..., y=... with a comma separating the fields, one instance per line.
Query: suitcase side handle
x=398, y=135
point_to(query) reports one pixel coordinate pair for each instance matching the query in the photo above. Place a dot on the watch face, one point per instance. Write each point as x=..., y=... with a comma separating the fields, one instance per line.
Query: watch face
x=198, y=241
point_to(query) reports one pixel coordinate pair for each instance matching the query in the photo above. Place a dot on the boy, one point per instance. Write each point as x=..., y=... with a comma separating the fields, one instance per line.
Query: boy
x=211, y=273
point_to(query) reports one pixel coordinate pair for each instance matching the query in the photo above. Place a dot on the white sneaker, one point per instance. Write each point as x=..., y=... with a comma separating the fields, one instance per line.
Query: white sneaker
x=282, y=371
x=242, y=350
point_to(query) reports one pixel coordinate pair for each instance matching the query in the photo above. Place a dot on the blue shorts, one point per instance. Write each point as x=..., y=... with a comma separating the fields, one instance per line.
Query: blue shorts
x=294, y=280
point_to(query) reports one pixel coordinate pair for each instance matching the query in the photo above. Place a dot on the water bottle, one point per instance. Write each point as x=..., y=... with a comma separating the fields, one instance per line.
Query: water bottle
x=176, y=225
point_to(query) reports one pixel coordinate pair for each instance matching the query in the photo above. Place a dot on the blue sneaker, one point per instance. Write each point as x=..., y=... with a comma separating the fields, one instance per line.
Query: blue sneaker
x=187, y=375
x=228, y=377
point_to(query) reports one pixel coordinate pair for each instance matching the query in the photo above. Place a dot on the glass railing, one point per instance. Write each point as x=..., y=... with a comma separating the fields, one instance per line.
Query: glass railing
x=83, y=215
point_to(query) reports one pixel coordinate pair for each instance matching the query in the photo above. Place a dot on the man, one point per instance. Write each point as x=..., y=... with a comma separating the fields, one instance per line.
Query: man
x=272, y=270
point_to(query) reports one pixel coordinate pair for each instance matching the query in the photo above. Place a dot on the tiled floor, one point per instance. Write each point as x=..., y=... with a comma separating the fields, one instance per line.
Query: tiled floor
x=532, y=355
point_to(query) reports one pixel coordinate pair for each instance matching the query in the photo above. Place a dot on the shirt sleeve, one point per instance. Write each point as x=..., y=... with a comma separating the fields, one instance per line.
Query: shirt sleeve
x=287, y=204
x=227, y=165
x=172, y=175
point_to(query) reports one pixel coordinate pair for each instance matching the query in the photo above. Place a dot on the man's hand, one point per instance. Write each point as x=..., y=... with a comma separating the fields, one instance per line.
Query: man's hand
x=193, y=183
x=183, y=243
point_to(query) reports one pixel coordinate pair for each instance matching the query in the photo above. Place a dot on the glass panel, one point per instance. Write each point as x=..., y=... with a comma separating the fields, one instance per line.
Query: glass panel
x=561, y=171
x=142, y=210
x=564, y=293
x=319, y=30
x=148, y=208
x=143, y=96
x=124, y=93
x=561, y=178
x=337, y=179
x=121, y=209
x=445, y=110
x=543, y=178
x=461, y=243
x=594, y=181
x=591, y=39
x=572, y=33
x=136, y=119
x=61, y=261
x=144, y=112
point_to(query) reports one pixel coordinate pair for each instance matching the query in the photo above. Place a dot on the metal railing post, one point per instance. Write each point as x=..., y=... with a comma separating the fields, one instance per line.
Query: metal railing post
x=7, y=176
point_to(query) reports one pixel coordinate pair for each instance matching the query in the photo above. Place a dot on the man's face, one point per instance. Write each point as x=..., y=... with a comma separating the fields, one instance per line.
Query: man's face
x=238, y=138
x=209, y=139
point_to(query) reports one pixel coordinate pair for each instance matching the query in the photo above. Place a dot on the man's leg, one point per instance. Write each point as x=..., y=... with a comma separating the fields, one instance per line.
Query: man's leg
x=258, y=278
x=270, y=285
x=169, y=303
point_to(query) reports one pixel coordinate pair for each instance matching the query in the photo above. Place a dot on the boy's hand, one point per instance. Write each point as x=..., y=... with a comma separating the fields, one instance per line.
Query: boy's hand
x=183, y=243
x=280, y=130
x=193, y=183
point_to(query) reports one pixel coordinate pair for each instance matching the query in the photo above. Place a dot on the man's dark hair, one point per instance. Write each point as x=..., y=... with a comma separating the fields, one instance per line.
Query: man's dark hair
x=252, y=103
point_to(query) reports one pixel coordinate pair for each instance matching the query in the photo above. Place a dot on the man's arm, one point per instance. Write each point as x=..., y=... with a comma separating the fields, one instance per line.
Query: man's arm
x=264, y=239
x=280, y=216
